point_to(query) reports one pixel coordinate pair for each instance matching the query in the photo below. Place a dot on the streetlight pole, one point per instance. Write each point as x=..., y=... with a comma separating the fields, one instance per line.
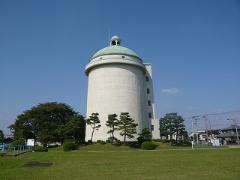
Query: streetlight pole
x=235, y=123
x=194, y=129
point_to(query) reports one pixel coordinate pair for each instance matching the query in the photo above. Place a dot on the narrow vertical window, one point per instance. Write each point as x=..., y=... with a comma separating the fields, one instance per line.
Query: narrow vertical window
x=148, y=91
x=152, y=127
x=149, y=103
x=147, y=78
x=150, y=115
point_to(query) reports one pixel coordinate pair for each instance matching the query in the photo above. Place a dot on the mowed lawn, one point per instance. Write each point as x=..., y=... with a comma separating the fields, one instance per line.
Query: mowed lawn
x=125, y=164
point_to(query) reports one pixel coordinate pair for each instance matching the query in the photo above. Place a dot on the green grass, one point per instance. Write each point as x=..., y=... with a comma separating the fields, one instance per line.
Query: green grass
x=105, y=147
x=125, y=163
x=10, y=152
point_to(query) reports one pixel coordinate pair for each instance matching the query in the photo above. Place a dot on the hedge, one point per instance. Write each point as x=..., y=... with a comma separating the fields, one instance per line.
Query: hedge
x=148, y=145
x=69, y=146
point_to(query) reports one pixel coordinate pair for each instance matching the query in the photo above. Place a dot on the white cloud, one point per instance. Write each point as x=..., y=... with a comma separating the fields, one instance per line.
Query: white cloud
x=170, y=91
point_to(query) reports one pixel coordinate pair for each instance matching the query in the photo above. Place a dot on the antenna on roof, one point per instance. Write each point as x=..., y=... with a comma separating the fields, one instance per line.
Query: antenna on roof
x=109, y=34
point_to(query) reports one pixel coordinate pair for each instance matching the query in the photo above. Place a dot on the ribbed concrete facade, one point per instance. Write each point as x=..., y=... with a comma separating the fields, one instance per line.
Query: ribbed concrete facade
x=119, y=83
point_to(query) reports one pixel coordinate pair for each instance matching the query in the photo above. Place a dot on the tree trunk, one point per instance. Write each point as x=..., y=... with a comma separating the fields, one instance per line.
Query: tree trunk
x=125, y=134
x=92, y=135
x=177, y=135
x=112, y=137
x=170, y=139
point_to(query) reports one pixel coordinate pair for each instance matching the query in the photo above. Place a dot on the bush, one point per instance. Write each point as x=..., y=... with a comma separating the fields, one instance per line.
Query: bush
x=161, y=140
x=148, y=145
x=133, y=144
x=113, y=139
x=181, y=143
x=68, y=146
x=145, y=135
x=101, y=142
x=89, y=142
x=117, y=143
x=40, y=149
x=18, y=142
x=108, y=141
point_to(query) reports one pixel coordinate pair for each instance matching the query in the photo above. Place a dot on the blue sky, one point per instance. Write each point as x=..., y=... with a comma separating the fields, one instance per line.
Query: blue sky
x=194, y=47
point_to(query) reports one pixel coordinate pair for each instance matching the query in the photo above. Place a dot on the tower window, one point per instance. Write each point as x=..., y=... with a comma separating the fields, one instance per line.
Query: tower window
x=149, y=103
x=152, y=127
x=147, y=78
x=150, y=115
x=123, y=57
x=148, y=91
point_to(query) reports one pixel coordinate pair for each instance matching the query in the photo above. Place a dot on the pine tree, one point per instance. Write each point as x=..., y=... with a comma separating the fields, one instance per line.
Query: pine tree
x=127, y=126
x=94, y=122
x=172, y=124
x=112, y=123
x=178, y=126
x=145, y=135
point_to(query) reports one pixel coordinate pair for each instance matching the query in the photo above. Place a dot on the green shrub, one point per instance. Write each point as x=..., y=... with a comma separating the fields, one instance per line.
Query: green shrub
x=40, y=149
x=113, y=139
x=145, y=135
x=89, y=142
x=133, y=144
x=108, y=141
x=117, y=143
x=18, y=142
x=181, y=143
x=148, y=145
x=101, y=142
x=161, y=140
x=2, y=154
x=68, y=146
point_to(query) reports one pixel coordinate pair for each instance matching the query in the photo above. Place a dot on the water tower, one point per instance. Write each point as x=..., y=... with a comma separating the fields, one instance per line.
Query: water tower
x=119, y=81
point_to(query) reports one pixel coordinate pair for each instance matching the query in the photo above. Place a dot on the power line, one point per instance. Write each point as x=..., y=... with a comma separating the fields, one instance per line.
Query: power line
x=220, y=113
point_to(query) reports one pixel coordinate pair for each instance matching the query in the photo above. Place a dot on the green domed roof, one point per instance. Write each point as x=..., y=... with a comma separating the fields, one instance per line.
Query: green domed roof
x=115, y=50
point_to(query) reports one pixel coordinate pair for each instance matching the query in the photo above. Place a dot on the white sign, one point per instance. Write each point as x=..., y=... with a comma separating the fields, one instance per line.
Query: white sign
x=30, y=142
x=215, y=142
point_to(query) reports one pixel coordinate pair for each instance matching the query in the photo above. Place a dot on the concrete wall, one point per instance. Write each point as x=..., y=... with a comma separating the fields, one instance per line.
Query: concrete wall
x=118, y=84
x=153, y=121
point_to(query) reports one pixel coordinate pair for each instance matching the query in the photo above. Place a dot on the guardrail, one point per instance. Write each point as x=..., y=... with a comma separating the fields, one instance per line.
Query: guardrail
x=14, y=150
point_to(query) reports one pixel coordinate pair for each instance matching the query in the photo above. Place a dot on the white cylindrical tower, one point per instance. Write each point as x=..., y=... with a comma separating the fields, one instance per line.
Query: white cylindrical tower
x=116, y=83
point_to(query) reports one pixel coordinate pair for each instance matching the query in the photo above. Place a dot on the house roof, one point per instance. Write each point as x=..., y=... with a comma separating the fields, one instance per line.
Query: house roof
x=225, y=135
x=232, y=127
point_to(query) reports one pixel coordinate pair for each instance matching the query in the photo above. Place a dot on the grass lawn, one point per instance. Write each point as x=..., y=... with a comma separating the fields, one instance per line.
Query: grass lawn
x=125, y=163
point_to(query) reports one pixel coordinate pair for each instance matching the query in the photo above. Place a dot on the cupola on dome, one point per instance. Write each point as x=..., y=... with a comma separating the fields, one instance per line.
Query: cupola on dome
x=115, y=48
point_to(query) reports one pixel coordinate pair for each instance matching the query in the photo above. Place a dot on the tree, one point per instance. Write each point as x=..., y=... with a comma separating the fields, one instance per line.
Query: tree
x=75, y=128
x=43, y=122
x=94, y=122
x=172, y=124
x=145, y=135
x=164, y=127
x=112, y=123
x=1, y=136
x=127, y=126
x=178, y=126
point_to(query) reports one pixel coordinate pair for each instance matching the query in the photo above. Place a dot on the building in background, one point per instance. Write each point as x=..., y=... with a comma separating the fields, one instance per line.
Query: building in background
x=230, y=135
x=119, y=81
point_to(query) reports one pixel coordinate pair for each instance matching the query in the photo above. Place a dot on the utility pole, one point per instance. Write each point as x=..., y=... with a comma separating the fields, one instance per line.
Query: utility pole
x=207, y=121
x=194, y=129
x=235, y=124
